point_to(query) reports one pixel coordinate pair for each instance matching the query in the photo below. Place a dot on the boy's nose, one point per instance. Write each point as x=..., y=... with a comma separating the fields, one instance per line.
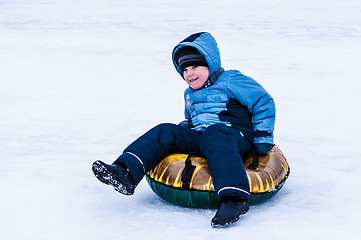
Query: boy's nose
x=189, y=75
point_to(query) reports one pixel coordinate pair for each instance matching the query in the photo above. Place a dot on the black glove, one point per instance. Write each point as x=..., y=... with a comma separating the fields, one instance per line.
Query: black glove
x=259, y=149
x=263, y=148
x=184, y=123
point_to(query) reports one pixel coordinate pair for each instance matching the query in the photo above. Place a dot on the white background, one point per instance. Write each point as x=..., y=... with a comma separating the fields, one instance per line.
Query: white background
x=81, y=79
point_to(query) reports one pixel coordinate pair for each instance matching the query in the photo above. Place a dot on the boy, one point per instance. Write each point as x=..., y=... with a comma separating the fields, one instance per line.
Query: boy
x=227, y=114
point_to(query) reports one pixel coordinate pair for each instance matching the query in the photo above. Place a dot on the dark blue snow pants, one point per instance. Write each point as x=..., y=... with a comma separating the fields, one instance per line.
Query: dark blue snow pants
x=222, y=146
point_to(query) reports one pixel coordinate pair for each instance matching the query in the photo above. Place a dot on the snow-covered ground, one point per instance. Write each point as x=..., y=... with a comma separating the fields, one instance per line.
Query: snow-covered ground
x=81, y=79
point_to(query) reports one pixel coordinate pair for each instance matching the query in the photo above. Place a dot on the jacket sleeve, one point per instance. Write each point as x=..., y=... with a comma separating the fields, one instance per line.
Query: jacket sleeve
x=186, y=113
x=258, y=101
x=187, y=122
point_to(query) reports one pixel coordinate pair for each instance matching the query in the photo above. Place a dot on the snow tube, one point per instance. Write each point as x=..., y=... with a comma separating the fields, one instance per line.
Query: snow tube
x=166, y=180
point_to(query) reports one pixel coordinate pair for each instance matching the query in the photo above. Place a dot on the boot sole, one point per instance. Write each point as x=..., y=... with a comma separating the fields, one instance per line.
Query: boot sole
x=103, y=175
x=226, y=224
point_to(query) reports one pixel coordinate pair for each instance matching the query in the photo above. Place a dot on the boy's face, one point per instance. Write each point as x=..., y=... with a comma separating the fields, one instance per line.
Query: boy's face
x=196, y=76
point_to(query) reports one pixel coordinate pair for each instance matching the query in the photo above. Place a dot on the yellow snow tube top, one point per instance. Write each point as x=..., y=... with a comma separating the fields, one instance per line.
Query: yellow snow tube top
x=265, y=181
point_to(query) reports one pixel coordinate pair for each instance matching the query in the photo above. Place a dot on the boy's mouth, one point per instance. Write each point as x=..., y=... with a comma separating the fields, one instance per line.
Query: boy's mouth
x=193, y=79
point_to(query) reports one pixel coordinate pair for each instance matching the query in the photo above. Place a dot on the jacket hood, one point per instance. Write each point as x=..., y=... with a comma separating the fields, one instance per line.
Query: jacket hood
x=206, y=45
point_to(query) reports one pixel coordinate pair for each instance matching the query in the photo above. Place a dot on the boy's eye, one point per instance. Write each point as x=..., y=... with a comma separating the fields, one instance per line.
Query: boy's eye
x=190, y=67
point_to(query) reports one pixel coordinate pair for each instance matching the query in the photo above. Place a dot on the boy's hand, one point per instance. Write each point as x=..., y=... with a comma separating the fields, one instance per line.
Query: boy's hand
x=263, y=148
x=184, y=123
x=259, y=149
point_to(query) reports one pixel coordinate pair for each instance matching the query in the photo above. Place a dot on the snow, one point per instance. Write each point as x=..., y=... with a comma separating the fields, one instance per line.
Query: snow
x=81, y=79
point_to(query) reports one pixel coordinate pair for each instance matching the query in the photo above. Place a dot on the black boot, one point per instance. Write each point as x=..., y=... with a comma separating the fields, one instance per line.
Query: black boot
x=115, y=175
x=230, y=210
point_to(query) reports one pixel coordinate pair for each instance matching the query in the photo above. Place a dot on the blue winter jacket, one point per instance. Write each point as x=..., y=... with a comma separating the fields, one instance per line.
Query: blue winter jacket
x=233, y=99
